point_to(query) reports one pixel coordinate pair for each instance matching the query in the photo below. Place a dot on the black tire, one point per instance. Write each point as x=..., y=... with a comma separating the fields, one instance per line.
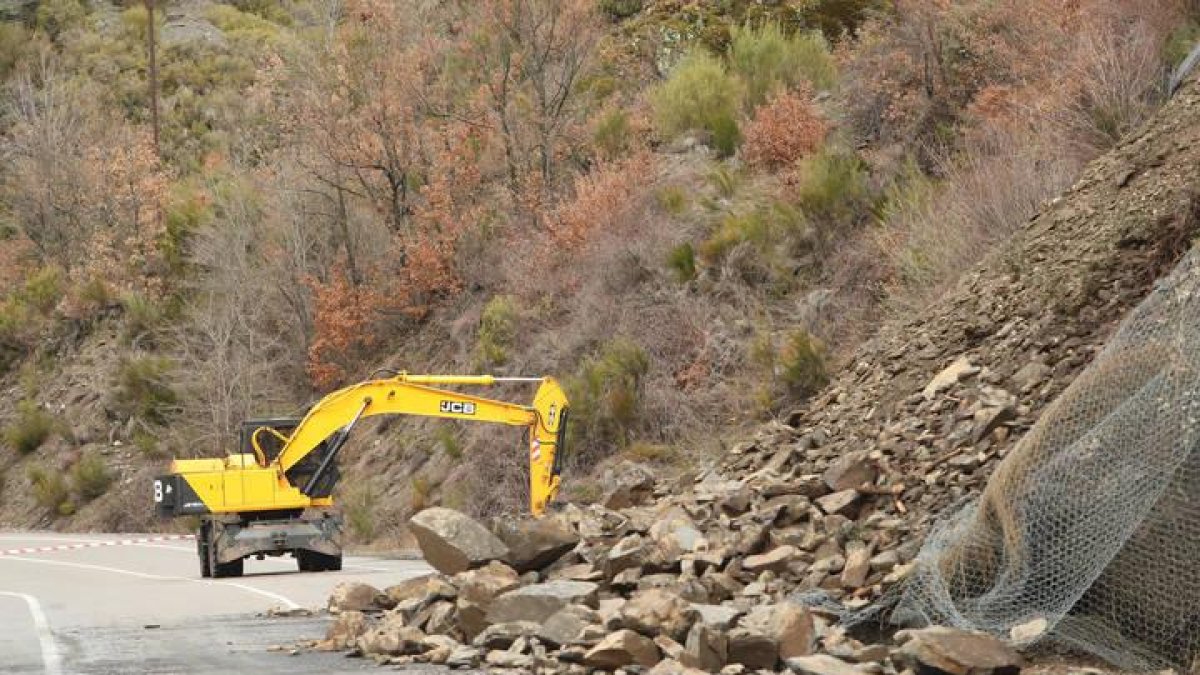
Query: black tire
x=229, y=569
x=312, y=561
x=202, y=551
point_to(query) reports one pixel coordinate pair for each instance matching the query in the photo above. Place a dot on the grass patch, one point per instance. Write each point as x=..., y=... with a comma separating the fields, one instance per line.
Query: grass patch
x=833, y=187
x=447, y=439
x=672, y=199
x=765, y=60
x=612, y=136
x=652, y=453
x=802, y=365
x=606, y=396
x=699, y=96
x=142, y=318
x=50, y=491
x=497, y=329
x=681, y=260
x=143, y=390
x=32, y=427
x=359, y=508
x=91, y=477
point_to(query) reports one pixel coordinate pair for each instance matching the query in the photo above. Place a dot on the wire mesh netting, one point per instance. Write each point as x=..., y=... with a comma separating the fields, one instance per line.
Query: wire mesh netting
x=1088, y=533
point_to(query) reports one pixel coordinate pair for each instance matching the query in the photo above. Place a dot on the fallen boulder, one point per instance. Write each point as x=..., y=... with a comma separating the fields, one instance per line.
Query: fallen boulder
x=452, y=542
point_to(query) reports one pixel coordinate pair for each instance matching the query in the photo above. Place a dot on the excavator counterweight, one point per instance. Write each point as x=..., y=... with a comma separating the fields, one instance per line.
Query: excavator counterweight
x=275, y=494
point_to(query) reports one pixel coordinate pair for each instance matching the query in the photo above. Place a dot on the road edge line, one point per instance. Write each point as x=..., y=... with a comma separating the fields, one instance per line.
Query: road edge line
x=51, y=657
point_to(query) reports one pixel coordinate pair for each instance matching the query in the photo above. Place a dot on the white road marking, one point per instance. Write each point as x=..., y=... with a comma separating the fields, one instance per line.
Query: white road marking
x=158, y=577
x=51, y=658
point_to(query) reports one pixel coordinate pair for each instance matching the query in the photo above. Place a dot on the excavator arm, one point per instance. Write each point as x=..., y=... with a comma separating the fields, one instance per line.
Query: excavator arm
x=328, y=423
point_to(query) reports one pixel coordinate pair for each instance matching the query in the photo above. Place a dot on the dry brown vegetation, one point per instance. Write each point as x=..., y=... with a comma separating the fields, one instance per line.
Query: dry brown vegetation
x=687, y=214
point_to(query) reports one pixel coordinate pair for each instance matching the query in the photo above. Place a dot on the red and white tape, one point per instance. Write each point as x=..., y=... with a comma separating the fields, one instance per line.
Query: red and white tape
x=96, y=544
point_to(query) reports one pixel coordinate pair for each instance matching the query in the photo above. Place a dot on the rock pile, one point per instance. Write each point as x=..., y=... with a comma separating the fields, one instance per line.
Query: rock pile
x=701, y=582
x=748, y=565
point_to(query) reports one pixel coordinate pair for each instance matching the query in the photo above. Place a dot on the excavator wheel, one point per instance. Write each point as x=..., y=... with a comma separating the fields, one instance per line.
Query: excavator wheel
x=209, y=567
x=311, y=561
x=202, y=550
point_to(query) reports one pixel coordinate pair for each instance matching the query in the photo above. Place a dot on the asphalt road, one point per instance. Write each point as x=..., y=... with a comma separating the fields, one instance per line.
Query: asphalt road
x=142, y=607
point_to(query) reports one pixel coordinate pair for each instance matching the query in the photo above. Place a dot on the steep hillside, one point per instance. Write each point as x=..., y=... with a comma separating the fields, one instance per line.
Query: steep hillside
x=690, y=213
x=754, y=562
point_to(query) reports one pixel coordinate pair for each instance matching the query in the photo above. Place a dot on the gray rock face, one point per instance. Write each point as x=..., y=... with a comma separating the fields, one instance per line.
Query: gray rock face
x=539, y=602
x=534, y=544
x=822, y=664
x=351, y=596
x=629, y=485
x=622, y=648
x=655, y=611
x=957, y=652
x=567, y=625
x=453, y=542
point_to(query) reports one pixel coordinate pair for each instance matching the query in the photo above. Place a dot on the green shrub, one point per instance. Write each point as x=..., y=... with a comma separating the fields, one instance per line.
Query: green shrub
x=672, y=200
x=606, y=396
x=143, y=391
x=682, y=261
x=612, y=136
x=90, y=477
x=497, y=329
x=13, y=40
x=698, y=96
x=50, y=491
x=765, y=59
x=420, y=489
x=833, y=187
x=147, y=444
x=359, y=506
x=620, y=9
x=724, y=181
x=42, y=290
x=840, y=17
x=142, y=318
x=448, y=440
x=32, y=427
x=652, y=453
x=55, y=17
x=802, y=365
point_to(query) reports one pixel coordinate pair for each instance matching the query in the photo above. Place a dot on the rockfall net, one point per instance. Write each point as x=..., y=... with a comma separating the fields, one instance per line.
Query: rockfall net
x=1088, y=533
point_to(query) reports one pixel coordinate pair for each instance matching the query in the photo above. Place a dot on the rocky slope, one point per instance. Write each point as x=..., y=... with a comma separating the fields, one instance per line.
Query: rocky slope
x=700, y=573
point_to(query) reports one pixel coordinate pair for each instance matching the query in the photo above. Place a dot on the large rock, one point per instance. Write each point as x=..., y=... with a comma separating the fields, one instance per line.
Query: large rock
x=629, y=484
x=453, y=542
x=822, y=664
x=957, y=652
x=789, y=625
x=423, y=590
x=752, y=648
x=858, y=564
x=776, y=560
x=705, y=648
x=656, y=611
x=849, y=471
x=502, y=635
x=622, y=648
x=344, y=632
x=537, y=602
x=675, y=533
x=352, y=596
x=477, y=589
x=567, y=625
x=961, y=369
x=534, y=544
x=392, y=639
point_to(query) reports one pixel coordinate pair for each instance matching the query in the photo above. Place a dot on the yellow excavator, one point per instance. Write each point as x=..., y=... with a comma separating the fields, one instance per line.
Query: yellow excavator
x=275, y=495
